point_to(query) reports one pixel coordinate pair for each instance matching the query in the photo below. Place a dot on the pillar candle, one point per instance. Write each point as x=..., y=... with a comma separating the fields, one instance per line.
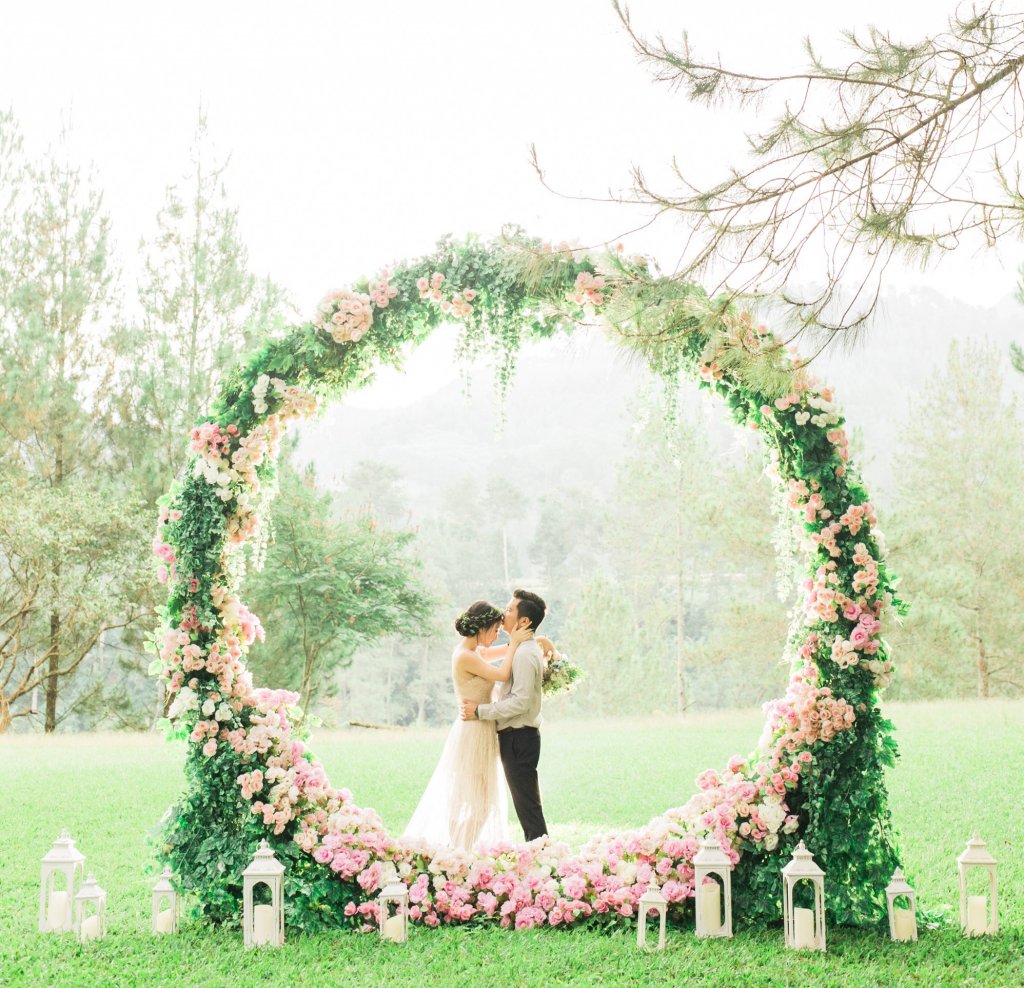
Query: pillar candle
x=90, y=928
x=710, y=907
x=977, y=919
x=803, y=936
x=263, y=925
x=904, y=922
x=57, y=910
x=165, y=921
x=394, y=929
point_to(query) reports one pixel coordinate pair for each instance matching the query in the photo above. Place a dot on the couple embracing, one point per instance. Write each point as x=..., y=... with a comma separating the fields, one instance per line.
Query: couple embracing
x=465, y=802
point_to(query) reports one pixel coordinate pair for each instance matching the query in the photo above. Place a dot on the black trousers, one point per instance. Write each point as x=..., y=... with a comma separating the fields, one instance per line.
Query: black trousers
x=520, y=753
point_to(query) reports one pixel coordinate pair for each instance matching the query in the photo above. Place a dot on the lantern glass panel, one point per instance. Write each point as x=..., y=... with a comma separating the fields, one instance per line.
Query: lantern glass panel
x=651, y=921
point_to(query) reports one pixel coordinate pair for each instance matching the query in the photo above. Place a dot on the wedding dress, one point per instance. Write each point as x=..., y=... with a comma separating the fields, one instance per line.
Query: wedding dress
x=465, y=801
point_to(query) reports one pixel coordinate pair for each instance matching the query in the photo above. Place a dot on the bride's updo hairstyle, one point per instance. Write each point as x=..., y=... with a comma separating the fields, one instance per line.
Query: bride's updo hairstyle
x=476, y=617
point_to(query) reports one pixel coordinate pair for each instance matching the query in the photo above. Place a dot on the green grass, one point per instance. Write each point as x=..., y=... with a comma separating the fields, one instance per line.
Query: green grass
x=960, y=771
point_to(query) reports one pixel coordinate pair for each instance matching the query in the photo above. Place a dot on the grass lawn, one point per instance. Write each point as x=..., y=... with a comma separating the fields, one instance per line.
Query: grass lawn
x=961, y=770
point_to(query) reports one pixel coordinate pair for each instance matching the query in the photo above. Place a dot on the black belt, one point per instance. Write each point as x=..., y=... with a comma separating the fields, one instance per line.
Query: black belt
x=512, y=730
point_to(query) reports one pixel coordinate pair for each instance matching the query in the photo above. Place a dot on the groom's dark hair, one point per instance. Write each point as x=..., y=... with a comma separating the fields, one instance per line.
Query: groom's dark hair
x=531, y=607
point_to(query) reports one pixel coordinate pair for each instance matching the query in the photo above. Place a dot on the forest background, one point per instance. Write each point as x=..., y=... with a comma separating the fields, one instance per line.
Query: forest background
x=642, y=517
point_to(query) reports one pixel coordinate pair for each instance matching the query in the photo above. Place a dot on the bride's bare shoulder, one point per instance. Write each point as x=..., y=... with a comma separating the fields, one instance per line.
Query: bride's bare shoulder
x=461, y=656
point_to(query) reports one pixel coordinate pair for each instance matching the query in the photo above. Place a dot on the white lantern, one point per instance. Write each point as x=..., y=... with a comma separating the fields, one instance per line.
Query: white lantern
x=902, y=921
x=396, y=927
x=165, y=905
x=805, y=928
x=651, y=901
x=263, y=925
x=975, y=919
x=90, y=911
x=55, y=905
x=712, y=899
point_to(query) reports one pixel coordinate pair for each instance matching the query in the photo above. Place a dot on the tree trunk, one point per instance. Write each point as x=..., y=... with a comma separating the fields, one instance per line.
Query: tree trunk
x=52, y=679
x=421, y=712
x=192, y=389
x=53, y=666
x=680, y=601
x=680, y=650
x=981, y=660
x=52, y=687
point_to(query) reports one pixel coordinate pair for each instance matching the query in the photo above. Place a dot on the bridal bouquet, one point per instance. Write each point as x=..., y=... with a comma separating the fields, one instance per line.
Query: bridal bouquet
x=560, y=674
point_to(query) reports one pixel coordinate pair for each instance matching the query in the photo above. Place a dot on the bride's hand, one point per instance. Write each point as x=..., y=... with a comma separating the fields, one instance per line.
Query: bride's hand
x=547, y=646
x=519, y=636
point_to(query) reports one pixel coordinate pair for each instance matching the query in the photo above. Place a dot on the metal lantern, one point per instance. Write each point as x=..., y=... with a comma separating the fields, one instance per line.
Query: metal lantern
x=90, y=911
x=165, y=905
x=651, y=901
x=902, y=922
x=713, y=899
x=396, y=927
x=55, y=906
x=805, y=928
x=973, y=918
x=263, y=925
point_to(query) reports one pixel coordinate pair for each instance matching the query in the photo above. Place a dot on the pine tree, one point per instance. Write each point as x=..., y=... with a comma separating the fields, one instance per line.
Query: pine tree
x=961, y=490
x=59, y=365
x=202, y=307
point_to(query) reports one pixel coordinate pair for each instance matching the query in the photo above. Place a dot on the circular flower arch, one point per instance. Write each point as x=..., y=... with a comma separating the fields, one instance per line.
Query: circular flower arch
x=817, y=772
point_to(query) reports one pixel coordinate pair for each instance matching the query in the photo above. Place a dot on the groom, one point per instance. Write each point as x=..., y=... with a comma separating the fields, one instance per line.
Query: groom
x=517, y=711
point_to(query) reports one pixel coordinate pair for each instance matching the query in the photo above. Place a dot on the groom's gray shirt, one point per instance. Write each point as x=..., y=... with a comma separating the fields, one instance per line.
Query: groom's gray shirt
x=518, y=703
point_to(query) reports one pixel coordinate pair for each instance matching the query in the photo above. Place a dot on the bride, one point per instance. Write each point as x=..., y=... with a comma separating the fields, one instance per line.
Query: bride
x=465, y=800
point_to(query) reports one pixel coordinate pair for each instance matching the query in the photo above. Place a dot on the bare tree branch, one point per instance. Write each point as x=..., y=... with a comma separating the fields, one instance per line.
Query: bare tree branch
x=905, y=151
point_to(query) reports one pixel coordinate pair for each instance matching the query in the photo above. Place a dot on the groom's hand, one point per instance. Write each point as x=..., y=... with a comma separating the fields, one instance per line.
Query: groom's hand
x=468, y=710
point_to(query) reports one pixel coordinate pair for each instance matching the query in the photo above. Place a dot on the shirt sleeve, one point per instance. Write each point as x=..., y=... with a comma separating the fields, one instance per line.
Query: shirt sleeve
x=524, y=683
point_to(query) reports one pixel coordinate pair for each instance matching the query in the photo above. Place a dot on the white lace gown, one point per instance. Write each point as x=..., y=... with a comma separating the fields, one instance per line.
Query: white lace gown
x=465, y=802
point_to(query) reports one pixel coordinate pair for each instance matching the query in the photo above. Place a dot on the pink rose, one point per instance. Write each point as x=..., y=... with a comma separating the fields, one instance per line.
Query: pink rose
x=859, y=637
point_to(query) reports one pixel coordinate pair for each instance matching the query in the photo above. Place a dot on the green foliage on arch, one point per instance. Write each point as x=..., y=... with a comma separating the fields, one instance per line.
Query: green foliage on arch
x=817, y=772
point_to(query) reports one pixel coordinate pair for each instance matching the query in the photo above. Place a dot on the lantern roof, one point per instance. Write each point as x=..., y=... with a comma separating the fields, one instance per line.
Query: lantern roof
x=976, y=853
x=711, y=855
x=899, y=885
x=653, y=897
x=90, y=891
x=64, y=851
x=802, y=864
x=394, y=889
x=264, y=864
x=164, y=882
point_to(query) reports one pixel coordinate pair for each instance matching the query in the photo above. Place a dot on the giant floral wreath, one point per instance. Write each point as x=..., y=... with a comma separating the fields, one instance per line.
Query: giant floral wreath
x=817, y=774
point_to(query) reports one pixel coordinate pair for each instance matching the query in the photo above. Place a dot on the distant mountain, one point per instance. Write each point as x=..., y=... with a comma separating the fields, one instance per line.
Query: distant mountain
x=567, y=415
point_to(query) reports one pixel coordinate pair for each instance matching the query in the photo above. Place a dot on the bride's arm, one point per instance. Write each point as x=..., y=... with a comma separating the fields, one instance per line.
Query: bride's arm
x=471, y=662
x=493, y=653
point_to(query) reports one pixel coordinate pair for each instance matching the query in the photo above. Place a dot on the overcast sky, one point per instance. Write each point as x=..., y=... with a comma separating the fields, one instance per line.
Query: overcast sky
x=361, y=132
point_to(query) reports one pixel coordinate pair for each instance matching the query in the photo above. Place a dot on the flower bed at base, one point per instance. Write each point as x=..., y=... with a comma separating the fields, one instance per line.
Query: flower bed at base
x=817, y=772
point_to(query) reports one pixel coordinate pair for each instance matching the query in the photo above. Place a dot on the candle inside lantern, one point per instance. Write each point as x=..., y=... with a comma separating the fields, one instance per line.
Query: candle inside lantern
x=57, y=910
x=165, y=921
x=977, y=909
x=90, y=928
x=394, y=929
x=903, y=920
x=803, y=936
x=711, y=907
x=263, y=925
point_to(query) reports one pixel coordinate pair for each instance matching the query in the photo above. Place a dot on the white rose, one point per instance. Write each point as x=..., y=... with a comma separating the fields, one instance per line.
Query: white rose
x=627, y=872
x=208, y=708
x=771, y=842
